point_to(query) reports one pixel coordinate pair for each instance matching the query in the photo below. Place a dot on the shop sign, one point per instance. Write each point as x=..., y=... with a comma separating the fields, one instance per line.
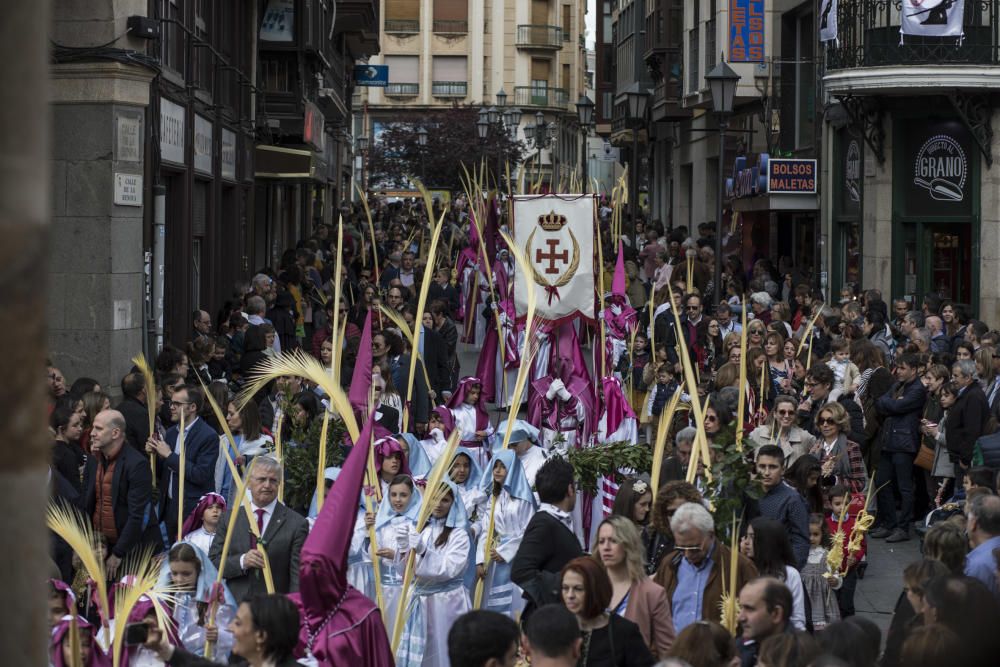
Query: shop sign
x=371, y=76
x=313, y=130
x=941, y=168
x=227, y=158
x=934, y=171
x=791, y=176
x=852, y=171
x=748, y=181
x=203, y=131
x=746, y=31
x=171, y=131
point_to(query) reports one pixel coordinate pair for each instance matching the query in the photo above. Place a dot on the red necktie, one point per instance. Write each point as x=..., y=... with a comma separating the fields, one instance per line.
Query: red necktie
x=260, y=527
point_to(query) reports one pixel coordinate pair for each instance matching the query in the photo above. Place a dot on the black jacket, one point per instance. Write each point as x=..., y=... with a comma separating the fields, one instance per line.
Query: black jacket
x=902, y=408
x=546, y=547
x=136, y=423
x=132, y=496
x=807, y=419
x=665, y=332
x=966, y=423
x=201, y=451
x=437, y=361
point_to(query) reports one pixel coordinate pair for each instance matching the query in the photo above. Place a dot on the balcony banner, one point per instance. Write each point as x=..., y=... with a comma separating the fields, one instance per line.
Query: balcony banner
x=828, y=22
x=932, y=18
x=557, y=234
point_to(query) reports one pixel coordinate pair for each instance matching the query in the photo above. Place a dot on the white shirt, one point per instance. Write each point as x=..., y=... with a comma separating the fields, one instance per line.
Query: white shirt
x=268, y=513
x=563, y=517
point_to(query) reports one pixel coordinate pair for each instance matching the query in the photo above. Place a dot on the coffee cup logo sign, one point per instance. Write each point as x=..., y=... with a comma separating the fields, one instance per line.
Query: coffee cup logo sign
x=941, y=169
x=852, y=171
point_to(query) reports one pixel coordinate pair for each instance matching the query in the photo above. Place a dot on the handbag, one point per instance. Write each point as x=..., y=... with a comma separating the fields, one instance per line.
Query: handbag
x=925, y=458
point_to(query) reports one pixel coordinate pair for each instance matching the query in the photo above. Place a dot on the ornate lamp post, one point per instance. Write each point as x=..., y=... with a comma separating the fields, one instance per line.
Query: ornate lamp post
x=722, y=82
x=422, y=142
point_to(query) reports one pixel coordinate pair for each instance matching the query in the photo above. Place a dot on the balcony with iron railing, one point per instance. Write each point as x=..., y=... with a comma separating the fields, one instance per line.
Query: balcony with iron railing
x=402, y=26
x=402, y=90
x=450, y=27
x=548, y=37
x=449, y=88
x=870, y=55
x=529, y=96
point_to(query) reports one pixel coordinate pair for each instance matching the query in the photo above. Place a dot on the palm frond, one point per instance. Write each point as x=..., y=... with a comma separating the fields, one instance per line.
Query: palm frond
x=68, y=523
x=660, y=446
x=261, y=547
x=701, y=441
x=181, y=474
x=144, y=580
x=741, y=405
x=150, y=383
x=371, y=231
x=299, y=364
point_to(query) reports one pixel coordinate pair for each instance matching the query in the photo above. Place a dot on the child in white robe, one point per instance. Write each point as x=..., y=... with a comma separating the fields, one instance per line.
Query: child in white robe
x=397, y=513
x=439, y=595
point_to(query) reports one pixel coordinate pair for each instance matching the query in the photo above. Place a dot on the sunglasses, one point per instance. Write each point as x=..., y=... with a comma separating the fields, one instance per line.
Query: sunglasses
x=710, y=418
x=825, y=420
x=786, y=413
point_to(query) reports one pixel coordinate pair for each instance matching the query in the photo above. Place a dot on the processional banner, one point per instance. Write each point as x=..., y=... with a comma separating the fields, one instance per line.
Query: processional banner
x=556, y=233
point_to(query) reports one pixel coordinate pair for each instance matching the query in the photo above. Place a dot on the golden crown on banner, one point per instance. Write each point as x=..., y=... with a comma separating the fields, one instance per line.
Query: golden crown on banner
x=552, y=221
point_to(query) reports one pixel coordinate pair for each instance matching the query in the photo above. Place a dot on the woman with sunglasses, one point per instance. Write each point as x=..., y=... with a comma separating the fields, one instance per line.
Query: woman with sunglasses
x=841, y=461
x=781, y=429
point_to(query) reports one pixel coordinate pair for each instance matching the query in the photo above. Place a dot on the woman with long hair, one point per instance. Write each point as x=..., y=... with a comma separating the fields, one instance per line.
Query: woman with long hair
x=609, y=640
x=67, y=457
x=509, y=504
x=439, y=596
x=804, y=476
x=633, y=594
x=670, y=496
x=251, y=441
x=779, y=368
x=766, y=543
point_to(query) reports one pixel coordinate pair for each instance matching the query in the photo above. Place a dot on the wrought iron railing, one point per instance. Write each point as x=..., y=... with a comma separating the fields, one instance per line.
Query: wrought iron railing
x=450, y=27
x=403, y=89
x=539, y=36
x=868, y=36
x=449, y=88
x=540, y=97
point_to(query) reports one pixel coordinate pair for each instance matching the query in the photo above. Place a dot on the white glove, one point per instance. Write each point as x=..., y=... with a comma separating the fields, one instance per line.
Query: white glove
x=436, y=435
x=402, y=536
x=414, y=541
x=554, y=388
x=564, y=393
x=600, y=315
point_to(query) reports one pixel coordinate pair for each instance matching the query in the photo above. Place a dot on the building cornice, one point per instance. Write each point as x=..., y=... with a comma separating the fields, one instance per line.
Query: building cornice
x=99, y=83
x=911, y=79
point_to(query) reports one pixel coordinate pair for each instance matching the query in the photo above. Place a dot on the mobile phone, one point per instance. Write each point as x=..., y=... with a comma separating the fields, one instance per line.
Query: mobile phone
x=136, y=634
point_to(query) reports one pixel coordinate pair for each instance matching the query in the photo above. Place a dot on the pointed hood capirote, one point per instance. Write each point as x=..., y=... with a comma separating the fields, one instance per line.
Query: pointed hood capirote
x=361, y=379
x=340, y=625
x=618, y=282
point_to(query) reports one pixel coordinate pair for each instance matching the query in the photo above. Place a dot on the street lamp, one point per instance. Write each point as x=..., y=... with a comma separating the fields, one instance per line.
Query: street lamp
x=722, y=82
x=363, y=147
x=422, y=141
x=501, y=98
x=636, y=98
x=585, y=114
x=493, y=115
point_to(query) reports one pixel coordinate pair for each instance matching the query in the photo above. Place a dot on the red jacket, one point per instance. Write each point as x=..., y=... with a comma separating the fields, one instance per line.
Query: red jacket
x=846, y=528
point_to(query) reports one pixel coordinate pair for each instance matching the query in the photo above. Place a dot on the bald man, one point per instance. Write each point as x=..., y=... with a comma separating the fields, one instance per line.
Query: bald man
x=118, y=491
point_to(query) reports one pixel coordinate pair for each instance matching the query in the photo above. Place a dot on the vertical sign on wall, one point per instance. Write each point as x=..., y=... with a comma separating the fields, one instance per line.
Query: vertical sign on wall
x=746, y=31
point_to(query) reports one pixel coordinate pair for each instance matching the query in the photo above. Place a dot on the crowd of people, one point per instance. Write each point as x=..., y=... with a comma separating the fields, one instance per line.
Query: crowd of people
x=860, y=421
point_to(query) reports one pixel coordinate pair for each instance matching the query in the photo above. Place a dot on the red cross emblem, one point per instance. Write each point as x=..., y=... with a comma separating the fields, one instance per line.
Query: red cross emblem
x=551, y=256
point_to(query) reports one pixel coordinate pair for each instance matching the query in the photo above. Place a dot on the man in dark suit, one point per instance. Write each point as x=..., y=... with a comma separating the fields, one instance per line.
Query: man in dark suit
x=118, y=491
x=201, y=450
x=549, y=541
x=968, y=417
x=134, y=410
x=283, y=533
x=442, y=289
x=901, y=407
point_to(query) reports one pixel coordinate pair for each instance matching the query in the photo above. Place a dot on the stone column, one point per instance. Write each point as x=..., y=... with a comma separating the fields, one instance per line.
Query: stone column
x=24, y=216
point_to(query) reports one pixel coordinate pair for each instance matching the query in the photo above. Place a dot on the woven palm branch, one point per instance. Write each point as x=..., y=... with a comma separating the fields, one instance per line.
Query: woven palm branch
x=741, y=405
x=809, y=328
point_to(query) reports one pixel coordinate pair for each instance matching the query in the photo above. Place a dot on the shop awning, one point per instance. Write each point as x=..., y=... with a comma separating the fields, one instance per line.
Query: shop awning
x=281, y=162
x=776, y=202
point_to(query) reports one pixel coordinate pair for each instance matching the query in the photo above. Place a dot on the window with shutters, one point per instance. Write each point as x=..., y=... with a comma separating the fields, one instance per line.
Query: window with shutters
x=402, y=16
x=541, y=70
x=567, y=26
x=404, y=75
x=567, y=77
x=450, y=76
x=451, y=17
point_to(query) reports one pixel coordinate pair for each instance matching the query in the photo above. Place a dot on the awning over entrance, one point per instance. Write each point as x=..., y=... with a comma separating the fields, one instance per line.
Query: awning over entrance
x=776, y=202
x=282, y=162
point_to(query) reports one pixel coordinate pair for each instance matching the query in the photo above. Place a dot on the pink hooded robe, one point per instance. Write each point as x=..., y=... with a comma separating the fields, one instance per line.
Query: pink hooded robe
x=340, y=625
